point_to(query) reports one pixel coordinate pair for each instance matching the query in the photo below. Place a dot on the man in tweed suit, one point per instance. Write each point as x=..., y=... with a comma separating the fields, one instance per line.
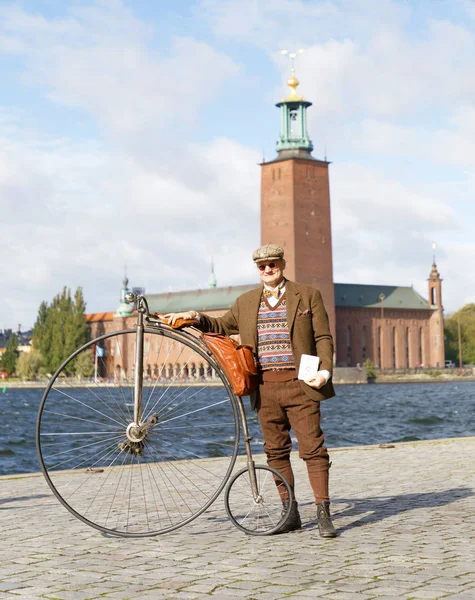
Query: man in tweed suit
x=283, y=320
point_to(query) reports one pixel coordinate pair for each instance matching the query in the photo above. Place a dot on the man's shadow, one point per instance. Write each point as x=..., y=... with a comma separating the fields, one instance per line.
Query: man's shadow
x=13, y=499
x=378, y=508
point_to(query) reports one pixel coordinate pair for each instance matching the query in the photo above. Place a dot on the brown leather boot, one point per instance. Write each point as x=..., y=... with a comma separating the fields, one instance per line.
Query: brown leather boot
x=324, y=520
x=293, y=521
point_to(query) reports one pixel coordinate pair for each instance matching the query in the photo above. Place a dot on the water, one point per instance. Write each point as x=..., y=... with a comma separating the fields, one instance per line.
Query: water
x=358, y=415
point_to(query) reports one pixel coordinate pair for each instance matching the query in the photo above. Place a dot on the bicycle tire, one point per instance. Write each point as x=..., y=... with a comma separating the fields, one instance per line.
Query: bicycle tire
x=158, y=485
x=265, y=515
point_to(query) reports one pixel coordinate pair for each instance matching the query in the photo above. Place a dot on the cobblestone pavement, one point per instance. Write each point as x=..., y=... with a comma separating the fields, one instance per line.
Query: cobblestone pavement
x=405, y=518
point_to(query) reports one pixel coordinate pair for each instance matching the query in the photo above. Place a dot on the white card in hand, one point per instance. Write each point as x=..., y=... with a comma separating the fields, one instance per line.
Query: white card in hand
x=308, y=366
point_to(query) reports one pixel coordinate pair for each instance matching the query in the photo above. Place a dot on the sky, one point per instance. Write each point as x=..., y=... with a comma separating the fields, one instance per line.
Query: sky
x=131, y=133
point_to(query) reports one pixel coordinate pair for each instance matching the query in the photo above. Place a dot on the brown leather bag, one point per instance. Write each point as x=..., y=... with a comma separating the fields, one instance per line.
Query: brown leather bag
x=236, y=360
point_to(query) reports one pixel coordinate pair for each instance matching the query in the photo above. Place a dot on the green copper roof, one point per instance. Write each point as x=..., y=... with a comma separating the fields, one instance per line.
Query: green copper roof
x=346, y=294
x=293, y=135
x=218, y=298
x=367, y=296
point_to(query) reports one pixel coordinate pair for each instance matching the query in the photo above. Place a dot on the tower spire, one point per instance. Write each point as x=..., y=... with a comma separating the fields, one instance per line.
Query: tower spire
x=294, y=140
x=436, y=319
x=124, y=309
x=212, y=279
x=125, y=281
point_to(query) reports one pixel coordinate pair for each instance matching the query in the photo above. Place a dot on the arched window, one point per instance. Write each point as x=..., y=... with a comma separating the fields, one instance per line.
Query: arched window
x=408, y=364
x=363, y=343
x=348, y=346
x=421, y=344
x=379, y=347
x=294, y=115
x=394, y=347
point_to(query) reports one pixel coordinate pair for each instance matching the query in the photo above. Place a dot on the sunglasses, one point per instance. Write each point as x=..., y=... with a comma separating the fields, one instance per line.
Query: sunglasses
x=271, y=265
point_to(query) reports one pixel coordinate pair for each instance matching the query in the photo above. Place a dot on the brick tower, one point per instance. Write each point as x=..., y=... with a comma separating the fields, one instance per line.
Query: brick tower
x=436, y=320
x=295, y=203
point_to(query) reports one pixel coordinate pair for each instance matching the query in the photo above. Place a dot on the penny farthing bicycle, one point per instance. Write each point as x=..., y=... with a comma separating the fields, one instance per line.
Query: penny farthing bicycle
x=146, y=453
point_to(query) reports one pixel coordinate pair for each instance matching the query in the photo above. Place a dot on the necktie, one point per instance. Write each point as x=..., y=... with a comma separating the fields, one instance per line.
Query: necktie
x=268, y=293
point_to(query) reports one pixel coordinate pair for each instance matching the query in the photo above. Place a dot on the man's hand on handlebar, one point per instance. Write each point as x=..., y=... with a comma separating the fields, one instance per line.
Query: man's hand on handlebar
x=172, y=318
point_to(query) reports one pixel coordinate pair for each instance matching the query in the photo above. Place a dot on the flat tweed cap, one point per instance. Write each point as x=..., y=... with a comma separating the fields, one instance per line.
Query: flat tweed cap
x=268, y=252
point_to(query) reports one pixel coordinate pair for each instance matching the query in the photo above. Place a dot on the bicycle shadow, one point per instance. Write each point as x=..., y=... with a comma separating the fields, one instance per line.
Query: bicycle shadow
x=374, y=509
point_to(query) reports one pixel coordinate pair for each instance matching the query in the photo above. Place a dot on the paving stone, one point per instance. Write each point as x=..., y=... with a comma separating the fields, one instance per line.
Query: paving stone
x=394, y=514
x=466, y=595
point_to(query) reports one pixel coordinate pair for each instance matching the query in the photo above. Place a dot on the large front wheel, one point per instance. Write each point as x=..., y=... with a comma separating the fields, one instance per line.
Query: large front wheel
x=138, y=479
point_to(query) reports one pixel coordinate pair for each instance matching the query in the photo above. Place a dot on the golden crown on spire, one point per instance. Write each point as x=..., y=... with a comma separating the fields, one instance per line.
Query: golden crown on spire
x=293, y=82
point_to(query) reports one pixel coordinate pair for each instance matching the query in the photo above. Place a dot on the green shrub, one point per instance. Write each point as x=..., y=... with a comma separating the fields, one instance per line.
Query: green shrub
x=370, y=370
x=434, y=373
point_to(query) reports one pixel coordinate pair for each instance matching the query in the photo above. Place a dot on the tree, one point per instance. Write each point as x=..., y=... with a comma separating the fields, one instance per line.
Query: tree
x=60, y=328
x=10, y=356
x=84, y=366
x=40, y=332
x=79, y=319
x=467, y=330
x=29, y=365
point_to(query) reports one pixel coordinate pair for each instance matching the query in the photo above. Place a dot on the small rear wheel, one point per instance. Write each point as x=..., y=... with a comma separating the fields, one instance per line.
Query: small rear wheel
x=261, y=515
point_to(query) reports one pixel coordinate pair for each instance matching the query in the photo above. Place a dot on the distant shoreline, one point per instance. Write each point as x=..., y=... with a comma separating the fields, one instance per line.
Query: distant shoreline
x=448, y=379
x=387, y=380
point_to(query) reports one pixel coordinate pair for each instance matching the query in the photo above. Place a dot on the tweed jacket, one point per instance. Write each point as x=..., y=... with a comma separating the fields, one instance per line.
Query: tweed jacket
x=307, y=321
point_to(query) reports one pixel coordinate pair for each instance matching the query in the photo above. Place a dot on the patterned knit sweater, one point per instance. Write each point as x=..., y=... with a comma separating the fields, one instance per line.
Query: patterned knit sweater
x=273, y=340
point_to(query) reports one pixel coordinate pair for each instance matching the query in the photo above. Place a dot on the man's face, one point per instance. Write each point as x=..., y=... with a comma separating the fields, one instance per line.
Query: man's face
x=271, y=272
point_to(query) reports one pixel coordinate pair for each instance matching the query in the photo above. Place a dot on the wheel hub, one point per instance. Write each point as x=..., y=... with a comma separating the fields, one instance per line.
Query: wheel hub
x=136, y=433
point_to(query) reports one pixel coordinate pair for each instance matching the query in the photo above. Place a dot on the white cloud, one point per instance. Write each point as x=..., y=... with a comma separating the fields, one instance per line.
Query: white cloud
x=270, y=23
x=77, y=214
x=98, y=60
x=452, y=144
x=383, y=232
x=391, y=75
x=378, y=219
x=144, y=195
